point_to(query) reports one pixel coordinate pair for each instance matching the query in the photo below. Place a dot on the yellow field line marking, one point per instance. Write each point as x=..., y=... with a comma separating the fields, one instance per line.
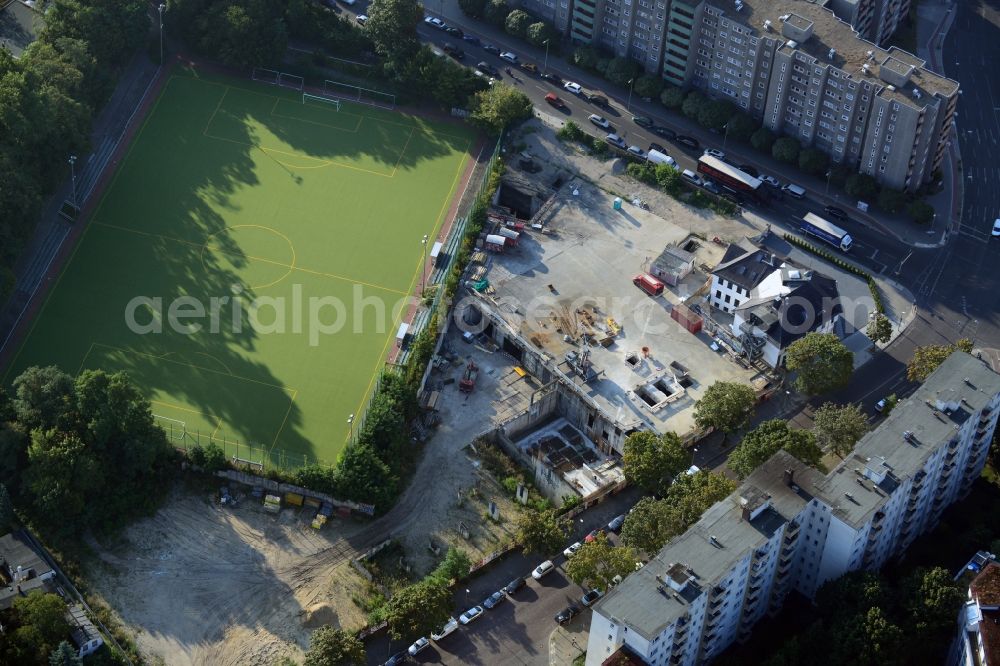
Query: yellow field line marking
x=171, y=405
x=327, y=125
x=217, y=107
x=402, y=152
x=223, y=251
x=281, y=428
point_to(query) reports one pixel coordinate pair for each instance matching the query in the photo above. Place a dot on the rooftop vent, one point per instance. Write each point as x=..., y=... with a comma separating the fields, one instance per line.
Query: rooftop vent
x=714, y=541
x=871, y=55
x=907, y=435
x=866, y=68
x=784, y=17
x=849, y=496
x=739, y=6
x=767, y=25
x=832, y=53
x=792, y=44
x=891, y=88
x=916, y=93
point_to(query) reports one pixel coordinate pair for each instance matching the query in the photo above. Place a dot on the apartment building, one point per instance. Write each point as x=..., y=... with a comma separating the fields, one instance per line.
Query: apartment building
x=978, y=640
x=556, y=12
x=789, y=527
x=797, y=67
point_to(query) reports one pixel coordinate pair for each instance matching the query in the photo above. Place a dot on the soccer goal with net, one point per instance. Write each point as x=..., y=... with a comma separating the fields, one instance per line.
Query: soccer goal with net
x=276, y=78
x=354, y=93
x=335, y=103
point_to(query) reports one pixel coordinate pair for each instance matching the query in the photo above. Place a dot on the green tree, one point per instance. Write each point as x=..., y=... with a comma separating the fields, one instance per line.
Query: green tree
x=694, y=102
x=454, y=567
x=921, y=211
x=786, y=149
x=45, y=613
x=879, y=328
x=648, y=86
x=714, y=114
x=62, y=478
x=839, y=427
x=65, y=655
x=621, y=71
x=473, y=8
x=669, y=179
x=541, y=532
x=418, y=609
x=213, y=458
x=334, y=647
x=496, y=12
x=517, y=23
x=672, y=97
x=538, y=33
x=926, y=359
x=249, y=33
x=598, y=563
x=43, y=398
x=384, y=424
x=851, y=594
x=725, y=406
x=691, y=494
x=767, y=439
x=763, y=140
x=890, y=200
x=392, y=27
x=742, y=127
x=651, y=460
x=813, y=162
x=363, y=477
x=500, y=106
x=932, y=599
x=112, y=29
x=821, y=361
x=650, y=524
x=585, y=57
x=7, y=516
x=196, y=454
x=861, y=186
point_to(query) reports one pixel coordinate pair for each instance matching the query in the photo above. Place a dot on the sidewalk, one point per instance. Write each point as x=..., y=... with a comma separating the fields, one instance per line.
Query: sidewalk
x=897, y=227
x=568, y=642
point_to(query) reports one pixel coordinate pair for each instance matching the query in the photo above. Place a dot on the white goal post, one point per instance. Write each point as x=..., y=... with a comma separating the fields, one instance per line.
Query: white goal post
x=335, y=103
x=276, y=78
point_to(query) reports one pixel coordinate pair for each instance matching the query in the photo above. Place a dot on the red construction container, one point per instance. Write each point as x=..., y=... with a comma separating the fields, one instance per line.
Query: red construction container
x=687, y=318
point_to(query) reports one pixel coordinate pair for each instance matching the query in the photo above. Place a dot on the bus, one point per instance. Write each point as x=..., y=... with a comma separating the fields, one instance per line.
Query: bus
x=814, y=225
x=730, y=176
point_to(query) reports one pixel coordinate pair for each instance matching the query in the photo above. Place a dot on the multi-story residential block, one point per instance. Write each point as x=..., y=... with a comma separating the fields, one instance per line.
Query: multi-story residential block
x=978, y=639
x=799, y=69
x=790, y=527
x=555, y=12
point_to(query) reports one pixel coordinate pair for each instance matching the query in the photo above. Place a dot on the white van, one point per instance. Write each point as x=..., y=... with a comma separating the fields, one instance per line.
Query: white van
x=795, y=191
x=656, y=157
x=691, y=176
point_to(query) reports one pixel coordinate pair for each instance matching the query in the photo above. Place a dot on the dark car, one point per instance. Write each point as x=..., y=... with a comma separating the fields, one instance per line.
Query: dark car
x=665, y=132
x=472, y=39
x=552, y=78
x=453, y=51
x=591, y=598
x=493, y=600
x=567, y=614
x=599, y=100
x=452, y=30
x=514, y=585
x=836, y=213
x=658, y=148
x=488, y=69
x=616, y=523
x=746, y=168
x=397, y=659
x=688, y=141
x=642, y=121
x=489, y=48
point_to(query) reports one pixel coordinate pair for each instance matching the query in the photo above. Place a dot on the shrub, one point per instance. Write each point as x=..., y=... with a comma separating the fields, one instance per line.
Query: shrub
x=215, y=458
x=196, y=454
x=496, y=12
x=813, y=162
x=645, y=173
x=586, y=57
x=921, y=211
x=741, y=127
x=714, y=114
x=861, y=185
x=890, y=200
x=762, y=140
x=672, y=97
x=786, y=149
x=538, y=33
x=693, y=104
x=648, y=86
x=621, y=70
x=517, y=23
x=473, y=8
x=571, y=132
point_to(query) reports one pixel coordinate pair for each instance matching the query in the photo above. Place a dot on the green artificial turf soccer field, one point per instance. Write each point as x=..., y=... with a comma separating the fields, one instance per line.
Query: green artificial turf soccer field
x=238, y=191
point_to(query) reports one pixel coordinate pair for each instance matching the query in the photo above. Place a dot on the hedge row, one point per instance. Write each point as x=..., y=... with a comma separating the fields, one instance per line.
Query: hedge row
x=837, y=261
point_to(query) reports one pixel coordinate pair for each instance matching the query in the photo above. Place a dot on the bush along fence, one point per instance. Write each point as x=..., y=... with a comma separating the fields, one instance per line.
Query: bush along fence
x=846, y=265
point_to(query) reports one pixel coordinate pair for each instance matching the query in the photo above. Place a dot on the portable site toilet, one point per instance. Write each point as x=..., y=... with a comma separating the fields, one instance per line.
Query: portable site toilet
x=435, y=254
x=512, y=236
x=495, y=243
x=401, y=334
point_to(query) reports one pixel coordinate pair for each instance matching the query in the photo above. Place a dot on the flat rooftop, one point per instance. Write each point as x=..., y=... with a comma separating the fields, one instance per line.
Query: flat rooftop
x=567, y=283
x=19, y=26
x=851, y=51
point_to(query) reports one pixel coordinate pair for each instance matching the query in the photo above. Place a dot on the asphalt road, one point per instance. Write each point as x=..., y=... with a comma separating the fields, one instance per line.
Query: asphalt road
x=517, y=631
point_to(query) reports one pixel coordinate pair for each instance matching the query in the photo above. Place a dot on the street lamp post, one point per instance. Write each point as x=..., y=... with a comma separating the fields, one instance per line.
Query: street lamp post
x=423, y=265
x=725, y=137
x=161, y=8
x=350, y=423
x=628, y=104
x=72, y=170
x=545, y=65
x=829, y=174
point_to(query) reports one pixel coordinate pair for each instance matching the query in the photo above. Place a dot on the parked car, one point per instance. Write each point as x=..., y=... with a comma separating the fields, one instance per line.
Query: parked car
x=616, y=523
x=691, y=177
x=658, y=148
x=572, y=87
x=996, y=228
x=453, y=51
x=433, y=21
x=554, y=100
x=746, y=168
x=880, y=405
x=488, y=69
x=552, y=78
x=772, y=181
x=418, y=646
x=361, y=18
x=836, y=213
x=594, y=98
x=493, y=600
x=571, y=549
x=489, y=48
x=542, y=569
x=642, y=121
x=716, y=153
x=794, y=190
x=656, y=157
x=397, y=659
x=567, y=614
x=665, y=132
x=593, y=535
x=449, y=627
x=452, y=30
x=590, y=598
x=637, y=151
x=600, y=121
x=472, y=39
x=471, y=615
x=509, y=57
x=616, y=141
x=710, y=185
x=530, y=67
x=688, y=141
x=514, y=585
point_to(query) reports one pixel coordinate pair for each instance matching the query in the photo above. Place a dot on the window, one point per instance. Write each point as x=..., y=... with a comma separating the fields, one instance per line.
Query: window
x=728, y=297
x=718, y=293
